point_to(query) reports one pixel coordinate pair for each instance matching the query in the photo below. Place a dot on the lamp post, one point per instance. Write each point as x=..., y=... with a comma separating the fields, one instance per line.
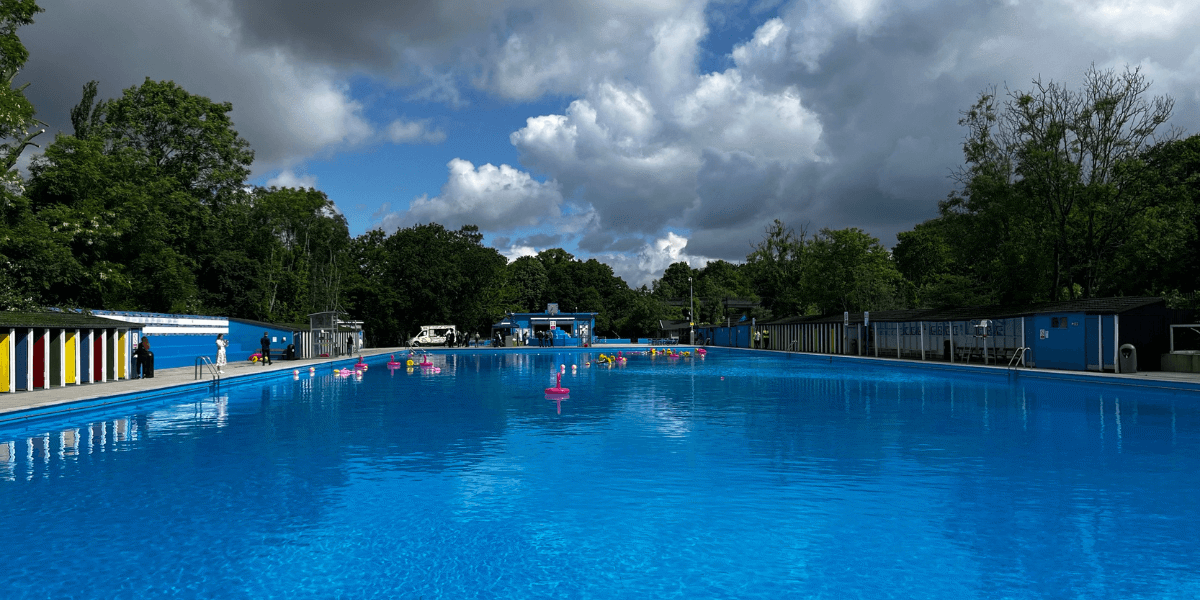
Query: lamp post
x=691, y=313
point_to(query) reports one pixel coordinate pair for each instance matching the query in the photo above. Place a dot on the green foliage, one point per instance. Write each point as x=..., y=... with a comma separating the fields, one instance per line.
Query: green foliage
x=850, y=270
x=775, y=268
x=18, y=128
x=424, y=275
x=1055, y=184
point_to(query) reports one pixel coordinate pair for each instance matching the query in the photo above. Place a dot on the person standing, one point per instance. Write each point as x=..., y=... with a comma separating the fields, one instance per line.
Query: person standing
x=137, y=361
x=757, y=338
x=145, y=359
x=221, y=344
x=265, y=342
x=349, y=345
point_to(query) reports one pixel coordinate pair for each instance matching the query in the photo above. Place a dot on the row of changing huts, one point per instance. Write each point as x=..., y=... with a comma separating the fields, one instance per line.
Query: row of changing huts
x=44, y=350
x=47, y=350
x=1079, y=335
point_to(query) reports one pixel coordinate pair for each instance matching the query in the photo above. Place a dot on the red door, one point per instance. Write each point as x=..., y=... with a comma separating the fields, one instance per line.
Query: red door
x=39, y=359
x=98, y=358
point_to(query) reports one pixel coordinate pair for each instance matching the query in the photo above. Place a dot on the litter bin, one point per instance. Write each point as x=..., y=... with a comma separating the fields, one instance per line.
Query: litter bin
x=1128, y=358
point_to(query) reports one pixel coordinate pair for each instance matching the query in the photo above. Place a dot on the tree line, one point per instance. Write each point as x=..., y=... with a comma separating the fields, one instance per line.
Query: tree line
x=145, y=205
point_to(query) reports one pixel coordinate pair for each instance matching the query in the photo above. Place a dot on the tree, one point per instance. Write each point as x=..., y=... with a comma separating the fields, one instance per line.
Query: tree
x=153, y=174
x=1071, y=160
x=422, y=275
x=527, y=282
x=851, y=271
x=18, y=128
x=775, y=267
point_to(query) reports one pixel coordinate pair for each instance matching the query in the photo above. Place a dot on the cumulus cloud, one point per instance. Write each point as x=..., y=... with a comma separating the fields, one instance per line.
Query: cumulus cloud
x=828, y=113
x=289, y=179
x=494, y=198
x=652, y=258
x=402, y=131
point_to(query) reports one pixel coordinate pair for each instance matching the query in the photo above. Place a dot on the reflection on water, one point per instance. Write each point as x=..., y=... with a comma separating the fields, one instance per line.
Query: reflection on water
x=742, y=475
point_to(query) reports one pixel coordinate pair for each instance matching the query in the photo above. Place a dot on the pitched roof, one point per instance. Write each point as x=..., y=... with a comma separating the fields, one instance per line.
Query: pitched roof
x=57, y=319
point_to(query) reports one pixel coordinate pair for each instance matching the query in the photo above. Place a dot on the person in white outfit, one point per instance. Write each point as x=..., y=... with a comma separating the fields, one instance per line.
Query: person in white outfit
x=221, y=344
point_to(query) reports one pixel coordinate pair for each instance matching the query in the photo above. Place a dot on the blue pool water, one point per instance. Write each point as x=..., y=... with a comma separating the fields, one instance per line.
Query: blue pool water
x=745, y=475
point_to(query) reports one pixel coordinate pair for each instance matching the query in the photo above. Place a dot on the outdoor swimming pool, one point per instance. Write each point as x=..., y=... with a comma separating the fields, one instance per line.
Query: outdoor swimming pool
x=743, y=475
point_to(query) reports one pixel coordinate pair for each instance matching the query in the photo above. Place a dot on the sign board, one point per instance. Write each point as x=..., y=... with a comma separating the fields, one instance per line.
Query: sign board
x=553, y=324
x=846, y=319
x=552, y=308
x=866, y=318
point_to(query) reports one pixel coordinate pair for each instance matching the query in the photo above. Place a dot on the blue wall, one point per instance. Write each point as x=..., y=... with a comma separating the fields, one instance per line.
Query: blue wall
x=181, y=349
x=243, y=340
x=1061, y=348
x=737, y=336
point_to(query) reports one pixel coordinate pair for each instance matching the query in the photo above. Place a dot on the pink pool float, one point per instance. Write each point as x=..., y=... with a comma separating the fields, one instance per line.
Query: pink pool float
x=558, y=389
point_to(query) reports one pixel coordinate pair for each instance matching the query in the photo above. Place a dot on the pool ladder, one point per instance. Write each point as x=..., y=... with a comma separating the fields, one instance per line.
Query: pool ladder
x=1018, y=357
x=206, y=363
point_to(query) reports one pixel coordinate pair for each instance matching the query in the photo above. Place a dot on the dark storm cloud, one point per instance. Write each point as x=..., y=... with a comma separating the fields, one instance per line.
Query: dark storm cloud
x=539, y=240
x=356, y=33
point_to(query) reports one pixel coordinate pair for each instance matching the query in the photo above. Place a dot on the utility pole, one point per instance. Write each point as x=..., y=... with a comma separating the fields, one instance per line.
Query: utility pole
x=691, y=313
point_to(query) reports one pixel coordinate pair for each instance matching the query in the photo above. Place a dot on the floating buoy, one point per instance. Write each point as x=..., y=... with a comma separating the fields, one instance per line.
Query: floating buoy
x=296, y=372
x=558, y=388
x=392, y=364
x=426, y=362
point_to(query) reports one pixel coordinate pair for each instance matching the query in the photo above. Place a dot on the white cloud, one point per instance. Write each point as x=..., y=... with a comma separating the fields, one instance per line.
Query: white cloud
x=289, y=179
x=494, y=198
x=648, y=264
x=402, y=131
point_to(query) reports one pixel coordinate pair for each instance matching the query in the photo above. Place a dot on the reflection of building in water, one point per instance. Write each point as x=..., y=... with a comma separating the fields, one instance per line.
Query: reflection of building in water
x=68, y=443
x=35, y=455
x=7, y=459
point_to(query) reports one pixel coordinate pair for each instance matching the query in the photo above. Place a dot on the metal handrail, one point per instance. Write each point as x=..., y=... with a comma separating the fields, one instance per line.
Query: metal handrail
x=1019, y=355
x=208, y=364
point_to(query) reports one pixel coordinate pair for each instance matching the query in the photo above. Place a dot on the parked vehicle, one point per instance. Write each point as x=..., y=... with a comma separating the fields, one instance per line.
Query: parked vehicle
x=434, y=335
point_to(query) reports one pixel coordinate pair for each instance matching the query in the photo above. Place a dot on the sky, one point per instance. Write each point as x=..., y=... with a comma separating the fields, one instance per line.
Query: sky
x=636, y=132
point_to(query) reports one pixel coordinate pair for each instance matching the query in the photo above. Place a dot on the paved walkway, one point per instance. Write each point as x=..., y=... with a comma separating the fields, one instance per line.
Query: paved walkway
x=163, y=378
x=181, y=376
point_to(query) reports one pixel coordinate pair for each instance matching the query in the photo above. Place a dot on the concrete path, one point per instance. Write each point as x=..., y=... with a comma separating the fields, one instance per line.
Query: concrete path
x=163, y=378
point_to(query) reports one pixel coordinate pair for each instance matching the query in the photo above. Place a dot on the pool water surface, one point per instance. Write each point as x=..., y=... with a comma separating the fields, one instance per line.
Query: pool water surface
x=739, y=475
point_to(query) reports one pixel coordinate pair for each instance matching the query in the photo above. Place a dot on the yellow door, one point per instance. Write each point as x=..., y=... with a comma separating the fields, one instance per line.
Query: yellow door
x=71, y=363
x=120, y=370
x=6, y=356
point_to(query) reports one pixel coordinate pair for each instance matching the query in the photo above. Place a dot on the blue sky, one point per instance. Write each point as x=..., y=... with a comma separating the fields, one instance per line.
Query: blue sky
x=636, y=132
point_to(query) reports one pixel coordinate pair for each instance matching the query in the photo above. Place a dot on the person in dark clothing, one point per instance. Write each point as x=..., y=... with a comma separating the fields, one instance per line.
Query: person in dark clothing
x=143, y=360
x=349, y=345
x=265, y=342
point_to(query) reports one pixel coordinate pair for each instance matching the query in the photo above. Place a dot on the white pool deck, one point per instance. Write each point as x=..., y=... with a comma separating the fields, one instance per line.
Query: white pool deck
x=165, y=379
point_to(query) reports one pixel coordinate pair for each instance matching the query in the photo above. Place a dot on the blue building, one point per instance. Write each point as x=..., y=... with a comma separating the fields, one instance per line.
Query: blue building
x=1074, y=335
x=177, y=340
x=567, y=329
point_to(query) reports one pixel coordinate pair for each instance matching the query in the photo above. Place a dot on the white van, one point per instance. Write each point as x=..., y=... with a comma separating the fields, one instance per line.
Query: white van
x=433, y=335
